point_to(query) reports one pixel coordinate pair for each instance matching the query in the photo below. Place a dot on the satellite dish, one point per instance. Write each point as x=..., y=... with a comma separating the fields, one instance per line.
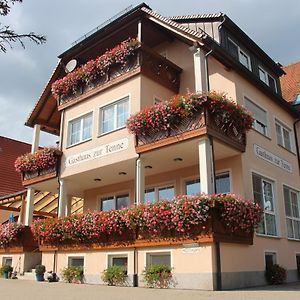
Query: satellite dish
x=71, y=65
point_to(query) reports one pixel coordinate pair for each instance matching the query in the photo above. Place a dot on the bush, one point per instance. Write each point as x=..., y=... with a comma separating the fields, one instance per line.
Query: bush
x=5, y=269
x=72, y=274
x=276, y=274
x=158, y=276
x=115, y=275
x=40, y=269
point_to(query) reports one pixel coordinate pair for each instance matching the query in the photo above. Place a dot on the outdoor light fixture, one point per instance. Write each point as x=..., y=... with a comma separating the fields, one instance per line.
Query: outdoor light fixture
x=178, y=159
x=97, y=179
x=122, y=173
x=148, y=167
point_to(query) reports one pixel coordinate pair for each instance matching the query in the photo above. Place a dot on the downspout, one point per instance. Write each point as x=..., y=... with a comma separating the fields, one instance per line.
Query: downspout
x=297, y=142
x=217, y=243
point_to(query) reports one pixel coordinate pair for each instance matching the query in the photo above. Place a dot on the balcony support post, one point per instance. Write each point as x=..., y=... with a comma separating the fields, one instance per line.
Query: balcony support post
x=139, y=31
x=199, y=70
x=206, y=166
x=64, y=202
x=139, y=181
x=30, y=190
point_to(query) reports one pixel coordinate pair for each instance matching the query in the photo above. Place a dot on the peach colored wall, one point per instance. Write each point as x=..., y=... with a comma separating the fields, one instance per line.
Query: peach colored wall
x=17, y=261
x=179, y=53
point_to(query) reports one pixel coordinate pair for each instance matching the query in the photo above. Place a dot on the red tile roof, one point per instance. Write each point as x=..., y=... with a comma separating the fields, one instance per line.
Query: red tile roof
x=290, y=83
x=10, y=180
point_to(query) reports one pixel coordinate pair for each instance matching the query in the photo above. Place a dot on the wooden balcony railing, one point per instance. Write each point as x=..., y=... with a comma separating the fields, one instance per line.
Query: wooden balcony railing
x=191, y=127
x=24, y=243
x=144, y=61
x=210, y=232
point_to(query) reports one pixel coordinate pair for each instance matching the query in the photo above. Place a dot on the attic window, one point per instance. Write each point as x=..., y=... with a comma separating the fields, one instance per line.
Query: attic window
x=297, y=99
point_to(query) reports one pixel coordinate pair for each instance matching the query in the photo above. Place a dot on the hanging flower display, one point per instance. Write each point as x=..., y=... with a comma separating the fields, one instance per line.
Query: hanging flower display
x=9, y=233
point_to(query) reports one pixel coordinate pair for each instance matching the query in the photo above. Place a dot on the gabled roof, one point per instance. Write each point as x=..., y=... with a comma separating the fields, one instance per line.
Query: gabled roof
x=197, y=16
x=290, y=82
x=10, y=179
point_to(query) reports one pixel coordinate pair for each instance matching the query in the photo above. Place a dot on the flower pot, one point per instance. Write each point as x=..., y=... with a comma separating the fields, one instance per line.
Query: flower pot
x=40, y=277
x=6, y=275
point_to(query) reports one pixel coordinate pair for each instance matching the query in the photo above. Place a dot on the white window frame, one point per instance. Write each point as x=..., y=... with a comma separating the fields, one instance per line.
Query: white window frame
x=273, y=253
x=77, y=255
x=115, y=103
x=266, y=77
x=81, y=118
x=157, y=188
x=241, y=53
x=219, y=173
x=158, y=252
x=283, y=126
x=292, y=218
x=257, y=123
x=275, y=213
x=114, y=196
x=111, y=255
x=4, y=258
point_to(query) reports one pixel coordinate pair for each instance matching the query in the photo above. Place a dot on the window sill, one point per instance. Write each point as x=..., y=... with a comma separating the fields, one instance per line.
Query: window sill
x=290, y=151
x=265, y=136
x=268, y=236
x=82, y=142
x=293, y=240
x=109, y=132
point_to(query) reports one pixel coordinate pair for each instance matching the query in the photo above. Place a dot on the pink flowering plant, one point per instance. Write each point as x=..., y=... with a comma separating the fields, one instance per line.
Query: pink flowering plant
x=9, y=233
x=167, y=114
x=94, y=68
x=184, y=216
x=42, y=159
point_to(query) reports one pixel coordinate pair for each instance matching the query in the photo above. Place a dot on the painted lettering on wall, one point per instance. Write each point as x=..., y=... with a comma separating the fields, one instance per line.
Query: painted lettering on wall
x=98, y=152
x=272, y=158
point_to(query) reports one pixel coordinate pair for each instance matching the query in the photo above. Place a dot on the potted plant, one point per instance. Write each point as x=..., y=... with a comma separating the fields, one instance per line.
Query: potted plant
x=158, y=276
x=276, y=274
x=73, y=274
x=5, y=271
x=39, y=272
x=115, y=275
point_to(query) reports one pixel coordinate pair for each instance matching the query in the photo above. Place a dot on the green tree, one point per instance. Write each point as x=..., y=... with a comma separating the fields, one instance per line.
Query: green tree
x=8, y=36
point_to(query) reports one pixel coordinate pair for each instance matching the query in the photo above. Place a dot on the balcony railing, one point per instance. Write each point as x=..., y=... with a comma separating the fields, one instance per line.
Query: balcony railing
x=24, y=242
x=144, y=61
x=200, y=124
x=39, y=166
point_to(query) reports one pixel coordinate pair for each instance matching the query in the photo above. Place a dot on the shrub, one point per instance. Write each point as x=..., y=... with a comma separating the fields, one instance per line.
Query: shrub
x=40, y=269
x=5, y=269
x=115, y=275
x=275, y=274
x=158, y=276
x=72, y=274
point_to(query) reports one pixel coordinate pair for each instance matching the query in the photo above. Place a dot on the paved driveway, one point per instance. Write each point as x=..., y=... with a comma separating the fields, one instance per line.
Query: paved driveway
x=25, y=290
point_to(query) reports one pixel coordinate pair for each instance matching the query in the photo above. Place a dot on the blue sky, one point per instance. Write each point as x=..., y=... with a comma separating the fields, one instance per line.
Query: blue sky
x=273, y=25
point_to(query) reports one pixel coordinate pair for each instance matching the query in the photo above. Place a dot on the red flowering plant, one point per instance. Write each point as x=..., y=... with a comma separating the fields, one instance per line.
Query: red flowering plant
x=10, y=232
x=94, y=68
x=42, y=159
x=184, y=216
x=164, y=115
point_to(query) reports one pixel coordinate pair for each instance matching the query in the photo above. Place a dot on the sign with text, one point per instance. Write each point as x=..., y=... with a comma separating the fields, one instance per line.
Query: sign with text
x=272, y=158
x=98, y=152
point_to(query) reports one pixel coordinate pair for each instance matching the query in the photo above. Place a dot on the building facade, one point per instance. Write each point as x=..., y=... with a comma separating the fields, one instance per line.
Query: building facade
x=112, y=168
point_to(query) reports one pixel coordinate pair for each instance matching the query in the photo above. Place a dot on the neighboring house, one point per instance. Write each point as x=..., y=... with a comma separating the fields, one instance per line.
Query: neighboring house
x=111, y=168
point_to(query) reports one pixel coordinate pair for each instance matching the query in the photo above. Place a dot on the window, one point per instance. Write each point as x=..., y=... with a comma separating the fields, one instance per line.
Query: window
x=259, y=115
x=264, y=195
x=118, y=260
x=158, y=258
x=222, y=185
x=114, y=116
x=76, y=261
x=267, y=79
x=270, y=259
x=80, y=129
x=298, y=263
x=292, y=212
x=7, y=261
x=284, y=136
x=114, y=202
x=159, y=193
x=239, y=54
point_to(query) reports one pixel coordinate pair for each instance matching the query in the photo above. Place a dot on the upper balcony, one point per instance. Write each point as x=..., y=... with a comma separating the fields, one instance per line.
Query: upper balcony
x=188, y=116
x=112, y=67
x=39, y=166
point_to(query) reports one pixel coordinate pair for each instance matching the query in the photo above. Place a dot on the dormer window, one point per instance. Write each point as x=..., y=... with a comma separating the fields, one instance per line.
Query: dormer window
x=267, y=79
x=239, y=54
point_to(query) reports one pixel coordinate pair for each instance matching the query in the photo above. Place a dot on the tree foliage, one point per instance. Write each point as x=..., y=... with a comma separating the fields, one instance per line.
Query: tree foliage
x=8, y=36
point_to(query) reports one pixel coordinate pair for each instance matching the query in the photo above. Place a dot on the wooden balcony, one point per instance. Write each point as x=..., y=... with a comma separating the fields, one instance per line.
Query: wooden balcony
x=33, y=177
x=24, y=243
x=191, y=127
x=144, y=61
x=212, y=231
